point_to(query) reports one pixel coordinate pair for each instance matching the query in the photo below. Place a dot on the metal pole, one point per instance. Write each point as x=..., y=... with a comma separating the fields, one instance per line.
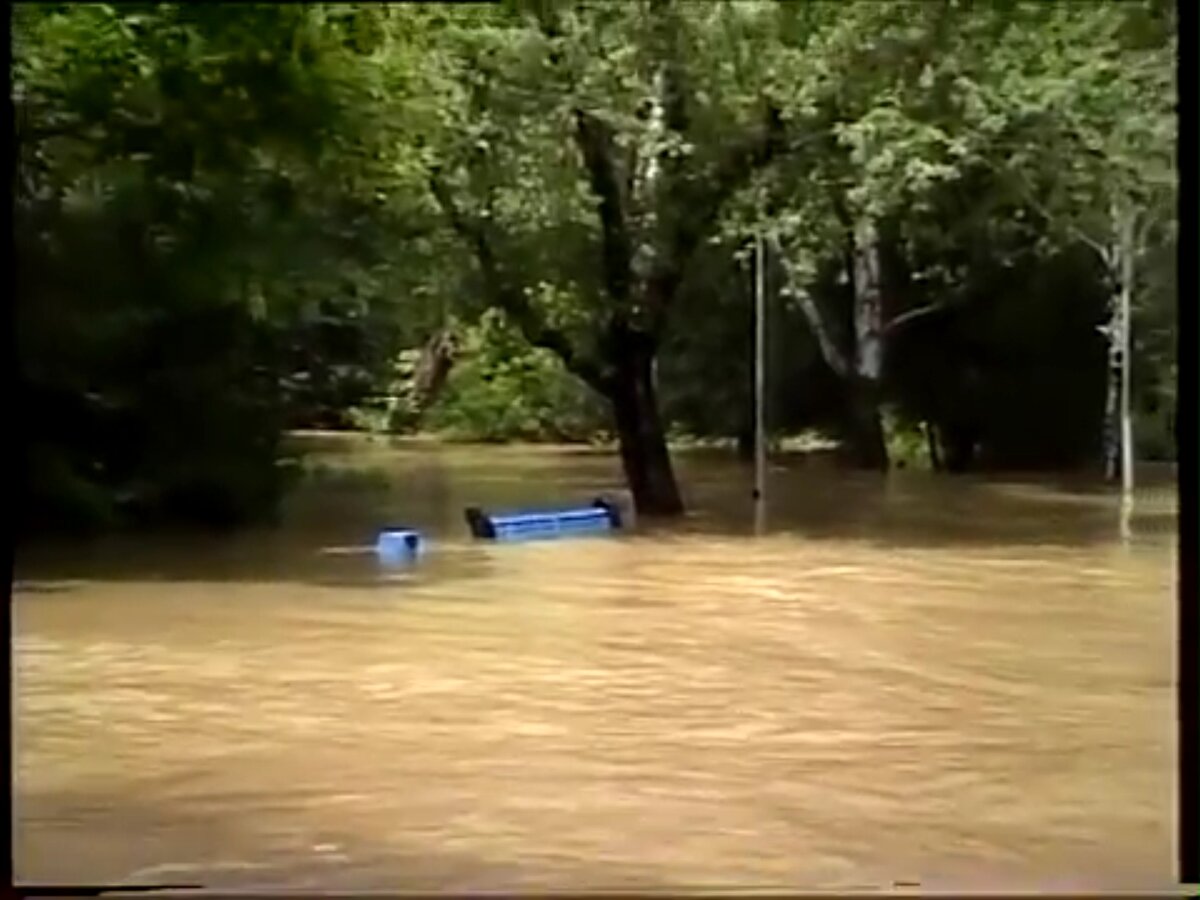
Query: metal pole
x=760, y=436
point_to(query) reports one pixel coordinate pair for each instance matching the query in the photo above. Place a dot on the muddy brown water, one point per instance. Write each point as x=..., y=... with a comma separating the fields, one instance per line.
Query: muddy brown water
x=957, y=682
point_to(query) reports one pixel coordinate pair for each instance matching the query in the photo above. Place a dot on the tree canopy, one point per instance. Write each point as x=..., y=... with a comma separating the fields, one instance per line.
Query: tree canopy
x=237, y=218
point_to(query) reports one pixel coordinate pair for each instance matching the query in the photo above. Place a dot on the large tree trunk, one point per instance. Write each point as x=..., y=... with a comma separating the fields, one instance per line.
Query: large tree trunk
x=865, y=447
x=1118, y=429
x=686, y=203
x=956, y=423
x=1112, y=397
x=745, y=443
x=642, y=441
x=864, y=425
x=931, y=441
x=433, y=368
x=960, y=445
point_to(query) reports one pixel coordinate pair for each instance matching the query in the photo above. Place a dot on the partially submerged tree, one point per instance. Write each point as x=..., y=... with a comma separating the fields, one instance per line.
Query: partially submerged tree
x=593, y=153
x=1066, y=109
x=1071, y=108
x=1096, y=109
x=844, y=198
x=307, y=187
x=584, y=155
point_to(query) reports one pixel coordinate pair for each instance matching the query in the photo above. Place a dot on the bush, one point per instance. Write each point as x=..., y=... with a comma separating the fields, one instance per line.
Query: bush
x=501, y=390
x=907, y=444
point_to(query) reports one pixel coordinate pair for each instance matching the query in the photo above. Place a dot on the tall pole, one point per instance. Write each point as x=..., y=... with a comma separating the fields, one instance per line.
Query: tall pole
x=760, y=431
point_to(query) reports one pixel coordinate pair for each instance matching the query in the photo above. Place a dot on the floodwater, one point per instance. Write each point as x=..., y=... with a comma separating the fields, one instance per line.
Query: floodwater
x=964, y=683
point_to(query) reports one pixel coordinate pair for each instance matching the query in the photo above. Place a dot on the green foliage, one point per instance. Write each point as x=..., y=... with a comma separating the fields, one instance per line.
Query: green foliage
x=1154, y=434
x=393, y=408
x=501, y=390
x=907, y=442
x=166, y=209
x=227, y=224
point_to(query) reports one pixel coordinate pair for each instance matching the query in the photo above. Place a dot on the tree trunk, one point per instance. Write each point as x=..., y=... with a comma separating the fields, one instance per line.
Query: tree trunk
x=1126, y=248
x=959, y=446
x=868, y=449
x=931, y=439
x=641, y=438
x=1118, y=427
x=1112, y=398
x=1112, y=435
x=745, y=443
x=433, y=368
x=865, y=447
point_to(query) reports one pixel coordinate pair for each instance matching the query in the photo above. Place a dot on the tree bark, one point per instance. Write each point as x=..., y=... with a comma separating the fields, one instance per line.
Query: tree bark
x=959, y=445
x=865, y=447
x=865, y=428
x=687, y=203
x=1118, y=427
x=640, y=434
x=433, y=368
x=931, y=439
x=1112, y=399
x=862, y=366
x=1112, y=437
x=1125, y=241
x=745, y=443
x=830, y=351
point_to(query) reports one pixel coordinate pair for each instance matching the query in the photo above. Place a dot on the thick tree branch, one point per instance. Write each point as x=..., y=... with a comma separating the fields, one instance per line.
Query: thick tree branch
x=1027, y=194
x=674, y=94
x=612, y=186
x=595, y=139
x=897, y=322
x=510, y=298
x=832, y=354
x=696, y=199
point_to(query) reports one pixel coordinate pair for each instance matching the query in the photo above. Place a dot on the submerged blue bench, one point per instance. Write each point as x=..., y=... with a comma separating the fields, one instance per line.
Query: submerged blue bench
x=601, y=516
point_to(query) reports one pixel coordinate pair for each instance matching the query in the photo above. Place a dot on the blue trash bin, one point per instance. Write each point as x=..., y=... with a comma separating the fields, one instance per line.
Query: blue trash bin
x=397, y=544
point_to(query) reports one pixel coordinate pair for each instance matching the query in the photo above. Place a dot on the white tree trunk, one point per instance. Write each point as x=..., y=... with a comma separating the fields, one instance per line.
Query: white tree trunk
x=1126, y=244
x=868, y=314
x=1112, y=397
x=1126, y=251
x=1118, y=450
